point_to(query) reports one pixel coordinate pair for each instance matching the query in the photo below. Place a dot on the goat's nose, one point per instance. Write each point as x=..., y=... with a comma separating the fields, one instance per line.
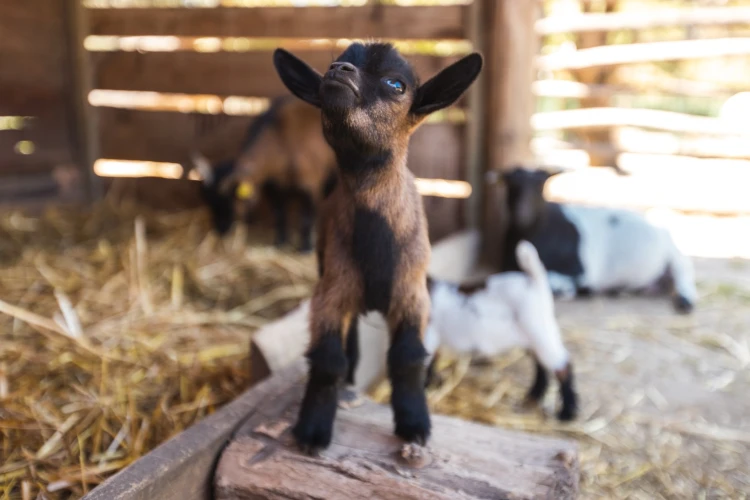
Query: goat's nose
x=342, y=66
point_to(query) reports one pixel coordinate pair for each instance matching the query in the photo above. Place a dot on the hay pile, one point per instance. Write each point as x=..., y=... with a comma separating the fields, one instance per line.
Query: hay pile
x=665, y=411
x=119, y=329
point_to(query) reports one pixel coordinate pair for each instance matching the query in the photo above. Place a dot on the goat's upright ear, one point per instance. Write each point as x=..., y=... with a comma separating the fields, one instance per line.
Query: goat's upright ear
x=446, y=87
x=299, y=78
x=547, y=172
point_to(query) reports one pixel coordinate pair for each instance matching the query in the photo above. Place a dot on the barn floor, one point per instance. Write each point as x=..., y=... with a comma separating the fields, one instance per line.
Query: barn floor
x=163, y=341
x=665, y=411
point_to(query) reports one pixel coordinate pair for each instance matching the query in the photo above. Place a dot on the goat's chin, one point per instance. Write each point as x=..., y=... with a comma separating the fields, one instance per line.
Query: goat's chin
x=338, y=98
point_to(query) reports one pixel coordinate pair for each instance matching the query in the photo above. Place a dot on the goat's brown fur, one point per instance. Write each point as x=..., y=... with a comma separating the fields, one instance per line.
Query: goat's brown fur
x=292, y=153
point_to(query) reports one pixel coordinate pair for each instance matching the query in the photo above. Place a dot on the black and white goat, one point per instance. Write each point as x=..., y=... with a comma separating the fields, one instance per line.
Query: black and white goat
x=513, y=309
x=593, y=249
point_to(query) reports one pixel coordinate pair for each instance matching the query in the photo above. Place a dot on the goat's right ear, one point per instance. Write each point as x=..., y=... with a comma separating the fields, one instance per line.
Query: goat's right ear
x=299, y=78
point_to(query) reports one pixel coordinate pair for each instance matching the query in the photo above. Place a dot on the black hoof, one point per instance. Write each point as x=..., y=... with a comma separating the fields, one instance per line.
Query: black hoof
x=567, y=413
x=416, y=430
x=313, y=434
x=682, y=305
x=349, y=398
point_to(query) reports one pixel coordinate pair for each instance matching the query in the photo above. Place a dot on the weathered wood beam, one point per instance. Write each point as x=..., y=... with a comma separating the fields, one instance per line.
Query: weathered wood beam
x=370, y=21
x=612, y=55
x=223, y=73
x=601, y=118
x=642, y=20
x=463, y=460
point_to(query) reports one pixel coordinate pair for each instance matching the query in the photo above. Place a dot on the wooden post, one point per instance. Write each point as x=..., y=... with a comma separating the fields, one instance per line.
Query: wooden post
x=511, y=48
x=475, y=125
x=84, y=129
x=463, y=460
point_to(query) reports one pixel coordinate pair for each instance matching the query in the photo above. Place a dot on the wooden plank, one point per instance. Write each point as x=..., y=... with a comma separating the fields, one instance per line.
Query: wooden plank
x=370, y=21
x=568, y=89
x=162, y=136
x=182, y=468
x=645, y=118
x=222, y=73
x=464, y=459
x=611, y=55
x=642, y=20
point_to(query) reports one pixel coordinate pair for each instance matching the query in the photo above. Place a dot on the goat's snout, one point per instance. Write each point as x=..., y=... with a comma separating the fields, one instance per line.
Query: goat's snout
x=343, y=67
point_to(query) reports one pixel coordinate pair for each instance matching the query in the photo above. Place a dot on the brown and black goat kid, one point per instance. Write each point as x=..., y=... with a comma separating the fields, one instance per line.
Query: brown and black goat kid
x=284, y=158
x=373, y=245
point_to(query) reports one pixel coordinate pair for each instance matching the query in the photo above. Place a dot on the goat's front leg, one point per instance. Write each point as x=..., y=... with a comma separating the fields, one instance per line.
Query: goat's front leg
x=328, y=366
x=406, y=370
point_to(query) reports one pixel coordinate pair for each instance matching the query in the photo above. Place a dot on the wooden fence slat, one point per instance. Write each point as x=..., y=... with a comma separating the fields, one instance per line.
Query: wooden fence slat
x=223, y=73
x=592, y=118
x=612, y=55
x=162, y=136
x=371, y=21
x=641, y=20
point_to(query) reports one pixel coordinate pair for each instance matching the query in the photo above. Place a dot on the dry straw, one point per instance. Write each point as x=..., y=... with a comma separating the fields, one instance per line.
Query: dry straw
x=119, y=329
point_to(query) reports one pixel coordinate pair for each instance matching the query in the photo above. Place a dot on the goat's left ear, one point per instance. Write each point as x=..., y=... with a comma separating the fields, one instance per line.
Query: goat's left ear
x=299, y=78
x=446, y=87
x=551, y=172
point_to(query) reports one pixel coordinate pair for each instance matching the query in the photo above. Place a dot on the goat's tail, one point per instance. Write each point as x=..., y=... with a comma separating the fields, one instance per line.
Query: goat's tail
x=203, y=167
x=529, y=262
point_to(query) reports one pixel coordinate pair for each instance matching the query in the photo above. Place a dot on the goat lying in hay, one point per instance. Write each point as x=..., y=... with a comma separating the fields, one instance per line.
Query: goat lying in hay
x=284, y=157
x=513, y=309
x=593, y=249
x=373, y=249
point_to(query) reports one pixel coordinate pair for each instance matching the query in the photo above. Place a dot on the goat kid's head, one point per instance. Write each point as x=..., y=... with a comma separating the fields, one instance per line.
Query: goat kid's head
x=370, y=96
x=525, y=195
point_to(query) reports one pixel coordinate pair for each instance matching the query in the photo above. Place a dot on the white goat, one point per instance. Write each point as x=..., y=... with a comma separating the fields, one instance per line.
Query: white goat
x=514, y=309
x=593, y=249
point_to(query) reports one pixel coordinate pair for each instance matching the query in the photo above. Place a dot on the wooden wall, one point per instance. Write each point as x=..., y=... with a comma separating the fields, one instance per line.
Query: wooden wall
x=37, y=152
x=437, y=149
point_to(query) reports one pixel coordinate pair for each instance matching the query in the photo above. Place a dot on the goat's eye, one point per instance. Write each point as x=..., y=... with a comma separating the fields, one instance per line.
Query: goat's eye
x=396, y=85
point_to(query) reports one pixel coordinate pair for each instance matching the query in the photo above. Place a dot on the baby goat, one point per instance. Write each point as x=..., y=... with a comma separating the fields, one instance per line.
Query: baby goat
x=284, y=157
x=373, y=246
x=593, y=249
x=514, y=309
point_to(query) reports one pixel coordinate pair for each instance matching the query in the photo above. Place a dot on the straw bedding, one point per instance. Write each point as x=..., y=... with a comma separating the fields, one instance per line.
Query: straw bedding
x=120, y=328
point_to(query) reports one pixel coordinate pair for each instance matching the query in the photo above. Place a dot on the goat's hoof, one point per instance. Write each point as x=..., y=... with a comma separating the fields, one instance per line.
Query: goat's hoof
x=414, y=425
x=433, y=380
x=682, y=305
x=349, y=398
x=313, y=435
x=530, y=402
x=567, y=413
x=414, y=432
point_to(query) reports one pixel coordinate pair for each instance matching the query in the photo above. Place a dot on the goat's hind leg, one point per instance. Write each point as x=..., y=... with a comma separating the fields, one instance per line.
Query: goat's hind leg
x=539, y=388
x=349, y=397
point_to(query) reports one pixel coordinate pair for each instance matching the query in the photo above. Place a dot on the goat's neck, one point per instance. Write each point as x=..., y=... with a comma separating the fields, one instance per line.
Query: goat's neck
x=364, y=173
